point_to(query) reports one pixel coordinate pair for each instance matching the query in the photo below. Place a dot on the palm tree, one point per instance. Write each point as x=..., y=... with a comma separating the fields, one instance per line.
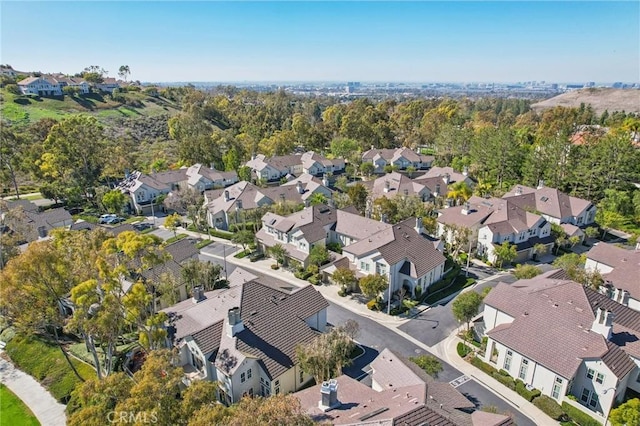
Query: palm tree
x=124, y=71
x=459, y=191
x=278, y=252
x=317, y=198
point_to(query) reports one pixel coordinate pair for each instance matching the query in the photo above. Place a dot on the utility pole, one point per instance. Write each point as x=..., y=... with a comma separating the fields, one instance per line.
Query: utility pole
x=224, y=257
x=468, y=259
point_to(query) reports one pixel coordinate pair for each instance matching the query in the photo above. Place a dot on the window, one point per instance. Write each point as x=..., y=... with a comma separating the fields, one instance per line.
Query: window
x=301, y=376
x=524, y=365
x=242, y=378
x=557, y=386
x=507, y=360
x=590, y=373
x=593, y=402
x=276, y=384
x=600, y=378
x=585, y=395
x=248, y=373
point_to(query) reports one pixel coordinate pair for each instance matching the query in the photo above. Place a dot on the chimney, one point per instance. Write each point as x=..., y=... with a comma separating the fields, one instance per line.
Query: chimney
x=466, y=209
x=198, y=294
x=383, y=218
x=372, y=147
x=331, y=203
x=282, y=197
x=540, y=184
x=253, y=156
x=239, y=204
x=465, y=171
x=387, y=186
x=306, y=203
x=449, y=203
x=226, y=195
x=329, y=395
x=406, y=192
x=300, y=188
x=446, y=178
x=42, y=231
x=624, y=297
x=418, y=226
x=603, y=322
x=325, y=180
x=234, y=322
x=212, y=166
x=436, y=193
x=518, y=190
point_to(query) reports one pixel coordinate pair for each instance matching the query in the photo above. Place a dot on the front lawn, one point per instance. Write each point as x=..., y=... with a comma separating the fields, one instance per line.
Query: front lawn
x=13, y=412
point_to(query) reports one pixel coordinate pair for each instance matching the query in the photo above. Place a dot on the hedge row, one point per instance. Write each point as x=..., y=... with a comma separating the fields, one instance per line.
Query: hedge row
x=463, y=350
x=527, y=394
x=221, y=234
x=578, y=416
x=550, y=407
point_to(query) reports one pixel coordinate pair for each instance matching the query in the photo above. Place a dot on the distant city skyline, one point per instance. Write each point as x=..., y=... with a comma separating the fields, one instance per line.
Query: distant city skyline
x=244, y=42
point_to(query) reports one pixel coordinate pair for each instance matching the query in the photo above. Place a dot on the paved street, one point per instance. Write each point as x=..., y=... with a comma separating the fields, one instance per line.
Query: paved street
x=376, y=337
x=215, y=253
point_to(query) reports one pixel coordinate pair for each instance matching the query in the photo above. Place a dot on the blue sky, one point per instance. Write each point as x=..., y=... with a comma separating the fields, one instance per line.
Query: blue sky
x=328, y=41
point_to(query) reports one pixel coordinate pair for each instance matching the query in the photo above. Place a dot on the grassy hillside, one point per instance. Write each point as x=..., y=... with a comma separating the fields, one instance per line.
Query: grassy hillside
x=601, y=99
x=20, y=109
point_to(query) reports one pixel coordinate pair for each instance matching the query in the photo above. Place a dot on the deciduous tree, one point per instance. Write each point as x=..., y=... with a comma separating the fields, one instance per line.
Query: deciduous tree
x=372, y=285
x=466, y=306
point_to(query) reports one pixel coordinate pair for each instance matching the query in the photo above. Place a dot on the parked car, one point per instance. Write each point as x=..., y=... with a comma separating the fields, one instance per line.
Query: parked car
x=141, y=226
x=114, y=220
x=106, y=217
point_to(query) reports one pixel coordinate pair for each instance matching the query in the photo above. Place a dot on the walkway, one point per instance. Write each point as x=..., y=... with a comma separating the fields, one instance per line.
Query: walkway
x=48, y=411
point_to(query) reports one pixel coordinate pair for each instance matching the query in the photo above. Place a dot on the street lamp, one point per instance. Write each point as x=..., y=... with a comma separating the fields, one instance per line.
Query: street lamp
x=604, y=392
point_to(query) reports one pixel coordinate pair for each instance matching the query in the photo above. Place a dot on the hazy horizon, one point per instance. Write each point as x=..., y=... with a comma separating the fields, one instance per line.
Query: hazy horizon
x=385, y=42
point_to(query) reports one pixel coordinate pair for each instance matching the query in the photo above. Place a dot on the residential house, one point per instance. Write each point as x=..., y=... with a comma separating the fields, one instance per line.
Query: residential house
x=40, y=86
x=401, y=158
x=394, y=184
x=401, y=253
x=495, y=221
x=204, y=178
x=8, y=71
x=227, y=206
x=78, y=83
x=400, y=394
x=620, y=269
x=589, y=350
x=277, y=167
x=554, y=205
x=30, y=223
x=297, y=233
x=143, y=191
x=109, y=84
x=310, y=185
x=244, y=337
x=438, y=179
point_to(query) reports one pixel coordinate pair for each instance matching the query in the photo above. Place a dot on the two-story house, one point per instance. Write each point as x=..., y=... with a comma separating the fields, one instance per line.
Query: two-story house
x=41, y=86
x=310, y=185
x=277, y=167
x=564, y=339
x=244, y=337
x=401, y=158
x=554, y=205
x=620, y=269
x=394, y=184
x=317, y=165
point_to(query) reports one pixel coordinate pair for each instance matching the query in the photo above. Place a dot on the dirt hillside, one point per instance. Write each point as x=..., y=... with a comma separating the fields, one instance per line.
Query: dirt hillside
x=601, y=99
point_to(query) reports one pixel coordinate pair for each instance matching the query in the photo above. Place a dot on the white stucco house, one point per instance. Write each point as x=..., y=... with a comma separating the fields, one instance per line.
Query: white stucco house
x=400, y=157
x=244, y=337
x=589, y=348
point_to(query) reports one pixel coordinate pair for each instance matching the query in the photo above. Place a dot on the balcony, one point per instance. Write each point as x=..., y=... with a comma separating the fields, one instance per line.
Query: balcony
x=191, y=374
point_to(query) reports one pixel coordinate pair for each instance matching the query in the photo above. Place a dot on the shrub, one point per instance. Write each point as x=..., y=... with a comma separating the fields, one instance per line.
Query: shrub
x=334, y=247
x=418, y=291
x=342, y=292
x=373, y=305
x=503, y=372
x=578, y=416
x=256, y=256
x=527, y=394
x=313, y=269
x=302, y=274
x=221, y=234
x=242, y=254
x=550, y=407
x=505, y=380
x=316, y=279
x=463, y=350
x=203, y=243
x=275, y=267
x=478, y=363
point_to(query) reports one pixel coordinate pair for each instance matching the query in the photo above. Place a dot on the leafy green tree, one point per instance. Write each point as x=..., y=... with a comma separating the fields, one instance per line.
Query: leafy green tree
x=275, y=410
x=429, y=363
x=124, y=71
x=172, y=222
x=460, y=191
x=367, y=169
x=205, y=274
x=372, y=285
x=244, y=237
x=505, y=253
x=341, y=183
x=114, y=201
x=358, y=196
x=608, y=220
x=526, y=271
x=386, y=207
x=318, y=198
x=319, y=255
x=12, y=146
x=345, y=278
x=345, y=148
x=325, y=356
x=466, y=306
x=591, y=232
x=244, y=173
x=279, y=253
x=72, y=158
x=627, y=414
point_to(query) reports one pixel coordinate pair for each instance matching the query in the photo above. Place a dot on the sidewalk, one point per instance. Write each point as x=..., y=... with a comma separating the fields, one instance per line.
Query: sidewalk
x=447, y=351
x=48, y=411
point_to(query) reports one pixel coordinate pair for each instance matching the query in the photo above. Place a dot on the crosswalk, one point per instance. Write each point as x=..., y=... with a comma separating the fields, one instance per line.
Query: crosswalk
x=459, y=381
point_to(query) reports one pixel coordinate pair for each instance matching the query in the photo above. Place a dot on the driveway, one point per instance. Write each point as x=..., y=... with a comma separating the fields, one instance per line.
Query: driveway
x=165, y=234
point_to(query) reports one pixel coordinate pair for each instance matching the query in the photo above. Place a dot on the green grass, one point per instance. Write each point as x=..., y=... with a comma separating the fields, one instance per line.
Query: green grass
x=203, y=243
x=37, y=196
x=13, y=412
x=44, y=361
x=459, y=283
x=176, y=238
x=134, y=219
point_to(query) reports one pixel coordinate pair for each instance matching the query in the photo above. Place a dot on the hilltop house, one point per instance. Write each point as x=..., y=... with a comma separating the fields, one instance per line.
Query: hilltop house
x=620, y=269
x=401, y=158
x=244, y=337
x=52, y=85
x=399, y=252
x=555, y=206
x=400, y=394
x=495, y=221
x=143, y=189
x=275, y=168
x=590, y=347
x=227, y=206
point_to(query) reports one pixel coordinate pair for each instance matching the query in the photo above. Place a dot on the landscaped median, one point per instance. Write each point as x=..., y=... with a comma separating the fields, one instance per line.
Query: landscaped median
x=564, y=413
